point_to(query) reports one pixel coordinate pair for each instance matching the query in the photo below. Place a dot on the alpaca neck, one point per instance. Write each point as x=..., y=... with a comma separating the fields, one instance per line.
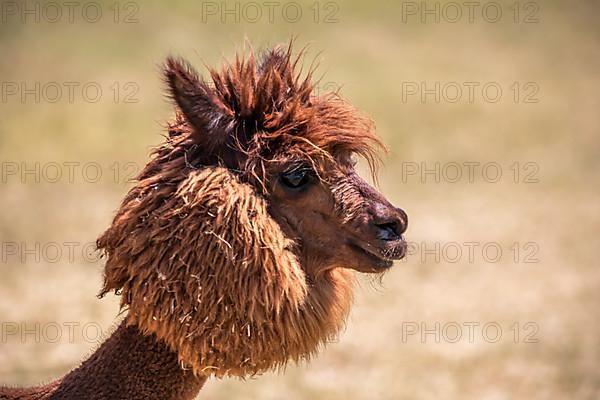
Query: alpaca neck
x=128, y=365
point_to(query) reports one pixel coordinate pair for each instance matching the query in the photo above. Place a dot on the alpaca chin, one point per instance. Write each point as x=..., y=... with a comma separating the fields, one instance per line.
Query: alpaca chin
x=201, y=263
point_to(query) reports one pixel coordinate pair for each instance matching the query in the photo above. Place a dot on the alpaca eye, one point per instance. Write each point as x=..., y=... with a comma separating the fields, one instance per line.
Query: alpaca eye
x=296, y=178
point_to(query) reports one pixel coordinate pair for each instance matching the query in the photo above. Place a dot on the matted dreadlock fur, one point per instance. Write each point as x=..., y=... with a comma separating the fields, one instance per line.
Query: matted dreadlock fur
x=194, y=251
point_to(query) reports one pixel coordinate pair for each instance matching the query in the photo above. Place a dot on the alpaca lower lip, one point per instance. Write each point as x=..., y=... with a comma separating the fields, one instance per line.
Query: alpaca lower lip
x=382, y=257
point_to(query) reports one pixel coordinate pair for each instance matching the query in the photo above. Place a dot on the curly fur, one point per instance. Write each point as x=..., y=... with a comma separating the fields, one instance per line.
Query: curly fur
x=224, y=266
x=193, y=250
x=210, y=272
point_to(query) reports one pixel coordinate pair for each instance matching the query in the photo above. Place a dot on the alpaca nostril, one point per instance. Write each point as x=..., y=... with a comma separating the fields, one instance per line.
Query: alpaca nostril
x=388, y=222
x=388, y=231
x=403, y=220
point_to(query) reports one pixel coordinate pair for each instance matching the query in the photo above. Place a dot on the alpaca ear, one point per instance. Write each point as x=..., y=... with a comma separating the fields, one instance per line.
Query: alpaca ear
x=211, y=119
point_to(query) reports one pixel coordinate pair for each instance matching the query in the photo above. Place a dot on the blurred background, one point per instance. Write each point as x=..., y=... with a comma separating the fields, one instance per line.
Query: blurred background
x=490, y=112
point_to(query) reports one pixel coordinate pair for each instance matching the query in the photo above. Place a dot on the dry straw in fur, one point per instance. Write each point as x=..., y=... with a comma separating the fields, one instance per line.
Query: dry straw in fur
x=193, y=250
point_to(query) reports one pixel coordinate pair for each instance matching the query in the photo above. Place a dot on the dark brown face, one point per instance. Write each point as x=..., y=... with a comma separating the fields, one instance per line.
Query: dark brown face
x=338, y=219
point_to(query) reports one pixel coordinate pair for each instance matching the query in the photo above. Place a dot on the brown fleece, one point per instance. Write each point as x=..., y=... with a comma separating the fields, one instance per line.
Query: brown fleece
x=211, y=273
x=128, y=366
x=212, y=279
x=193, y=250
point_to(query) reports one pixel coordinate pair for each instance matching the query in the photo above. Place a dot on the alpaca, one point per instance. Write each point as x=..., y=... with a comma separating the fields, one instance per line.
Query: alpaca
x=236, y=249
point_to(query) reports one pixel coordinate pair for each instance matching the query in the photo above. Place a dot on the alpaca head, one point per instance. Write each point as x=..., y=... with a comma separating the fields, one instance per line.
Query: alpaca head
x=236, y=245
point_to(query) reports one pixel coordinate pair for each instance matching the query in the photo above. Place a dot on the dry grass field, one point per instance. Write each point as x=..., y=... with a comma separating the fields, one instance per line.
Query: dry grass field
x=494, y=137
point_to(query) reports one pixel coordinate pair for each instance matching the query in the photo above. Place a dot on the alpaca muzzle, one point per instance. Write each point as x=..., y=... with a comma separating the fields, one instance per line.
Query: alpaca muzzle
x=386, y=225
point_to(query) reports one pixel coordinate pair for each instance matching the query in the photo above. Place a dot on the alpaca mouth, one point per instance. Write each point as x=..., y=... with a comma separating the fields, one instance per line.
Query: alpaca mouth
x=382, y=257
